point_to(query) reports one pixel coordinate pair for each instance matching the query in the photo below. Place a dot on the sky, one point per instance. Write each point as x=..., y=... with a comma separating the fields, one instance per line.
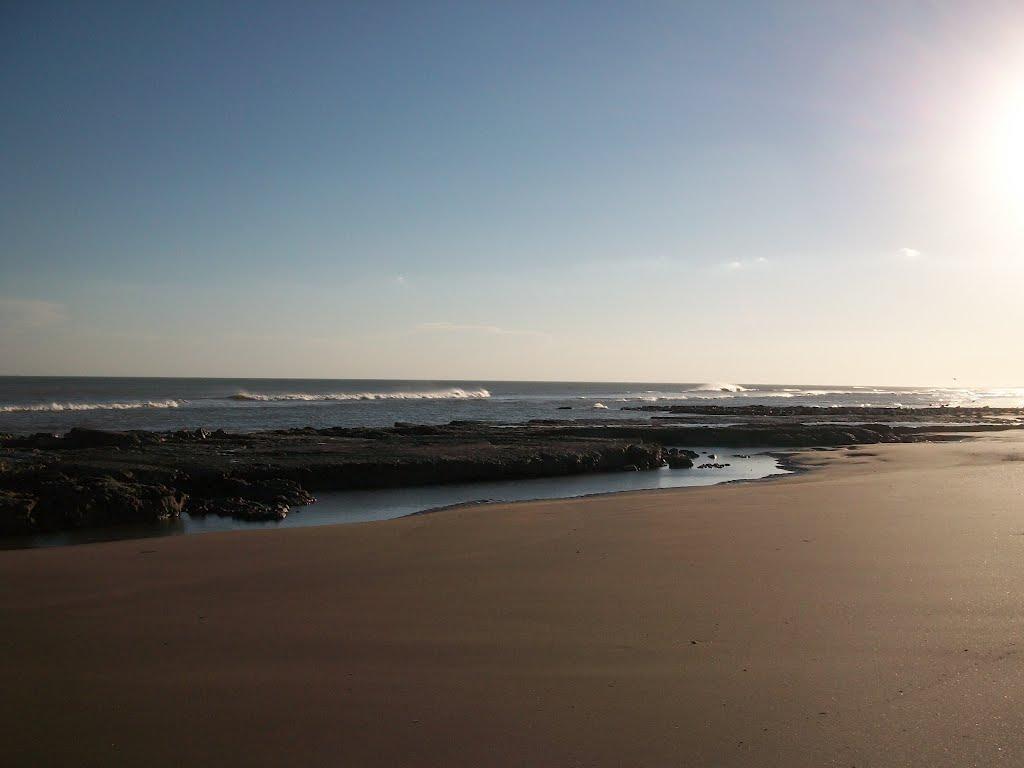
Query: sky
x=805, y=192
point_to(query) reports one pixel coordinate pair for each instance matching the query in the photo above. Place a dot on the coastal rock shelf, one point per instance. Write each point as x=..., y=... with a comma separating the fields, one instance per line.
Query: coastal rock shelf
x=841, y=413
x=89, y=478
x=93, y=478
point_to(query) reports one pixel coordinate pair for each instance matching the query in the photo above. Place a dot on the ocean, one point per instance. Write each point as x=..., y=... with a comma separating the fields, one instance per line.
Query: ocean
x=55, y=404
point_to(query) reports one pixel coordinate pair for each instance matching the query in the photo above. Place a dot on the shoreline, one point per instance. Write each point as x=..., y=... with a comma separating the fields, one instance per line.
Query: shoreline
x=601, y=494
x=315, y=514
x=844, y=616
x=92, y=478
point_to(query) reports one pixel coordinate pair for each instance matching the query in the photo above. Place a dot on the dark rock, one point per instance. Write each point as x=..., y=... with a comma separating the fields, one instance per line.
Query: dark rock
x=15, y=513
x=682, y=453
x=64, y=502
x=215, y=490
x=751, y=413
x=645, y=455
x=90, y=477
x=79, y=437
x=679, y=460
x=240, y=509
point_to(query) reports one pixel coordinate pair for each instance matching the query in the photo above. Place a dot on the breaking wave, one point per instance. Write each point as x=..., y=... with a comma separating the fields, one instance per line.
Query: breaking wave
x=719, y=386
x=57, y=407
x=454, y=393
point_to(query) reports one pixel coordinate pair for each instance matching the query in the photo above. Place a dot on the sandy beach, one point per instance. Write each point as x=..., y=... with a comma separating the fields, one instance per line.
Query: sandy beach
x=864, y=613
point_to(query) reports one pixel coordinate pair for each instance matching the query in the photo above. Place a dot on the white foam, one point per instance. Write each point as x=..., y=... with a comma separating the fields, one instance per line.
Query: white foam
x=719, y=386
x=57, y=407
x=454, y=393
x=753, y=394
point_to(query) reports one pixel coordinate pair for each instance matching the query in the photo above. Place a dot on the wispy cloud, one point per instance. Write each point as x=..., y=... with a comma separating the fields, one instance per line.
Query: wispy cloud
x=31, y=313
x=738, y=264
x=910, y=254
x=492, y=330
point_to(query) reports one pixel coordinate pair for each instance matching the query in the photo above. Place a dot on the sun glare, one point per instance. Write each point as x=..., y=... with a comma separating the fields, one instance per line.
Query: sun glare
x=1006, y=146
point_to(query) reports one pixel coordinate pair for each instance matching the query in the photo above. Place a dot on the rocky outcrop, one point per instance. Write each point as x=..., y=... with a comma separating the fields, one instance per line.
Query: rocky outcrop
x=93, y=478
x=90, y=478
x=788, y=434
x=228, y=496
x=57, y=502
x=680, y=458
x=16, y=513
x=754, y=413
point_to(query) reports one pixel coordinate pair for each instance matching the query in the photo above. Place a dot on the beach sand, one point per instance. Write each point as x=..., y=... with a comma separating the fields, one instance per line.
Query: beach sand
x=866, y=613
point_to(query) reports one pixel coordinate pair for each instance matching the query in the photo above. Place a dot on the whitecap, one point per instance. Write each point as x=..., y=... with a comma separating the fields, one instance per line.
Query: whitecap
x=58, y=407
x=453, y=393
x=719, y=386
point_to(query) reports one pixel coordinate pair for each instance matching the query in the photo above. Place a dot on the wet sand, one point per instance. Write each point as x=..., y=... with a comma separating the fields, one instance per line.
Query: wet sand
x=868, y=612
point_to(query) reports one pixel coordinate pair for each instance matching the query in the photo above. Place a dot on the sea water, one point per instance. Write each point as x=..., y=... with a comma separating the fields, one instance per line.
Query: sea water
x=55, y=404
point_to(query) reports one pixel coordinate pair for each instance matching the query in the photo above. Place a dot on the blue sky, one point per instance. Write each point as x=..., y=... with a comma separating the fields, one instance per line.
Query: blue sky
x=626, y=191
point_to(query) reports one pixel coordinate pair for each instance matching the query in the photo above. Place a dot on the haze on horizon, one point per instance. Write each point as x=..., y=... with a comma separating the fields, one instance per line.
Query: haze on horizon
x=745, y=192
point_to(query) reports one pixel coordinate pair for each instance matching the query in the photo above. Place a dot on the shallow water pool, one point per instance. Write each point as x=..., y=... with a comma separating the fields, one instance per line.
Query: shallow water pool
x=335, y=507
